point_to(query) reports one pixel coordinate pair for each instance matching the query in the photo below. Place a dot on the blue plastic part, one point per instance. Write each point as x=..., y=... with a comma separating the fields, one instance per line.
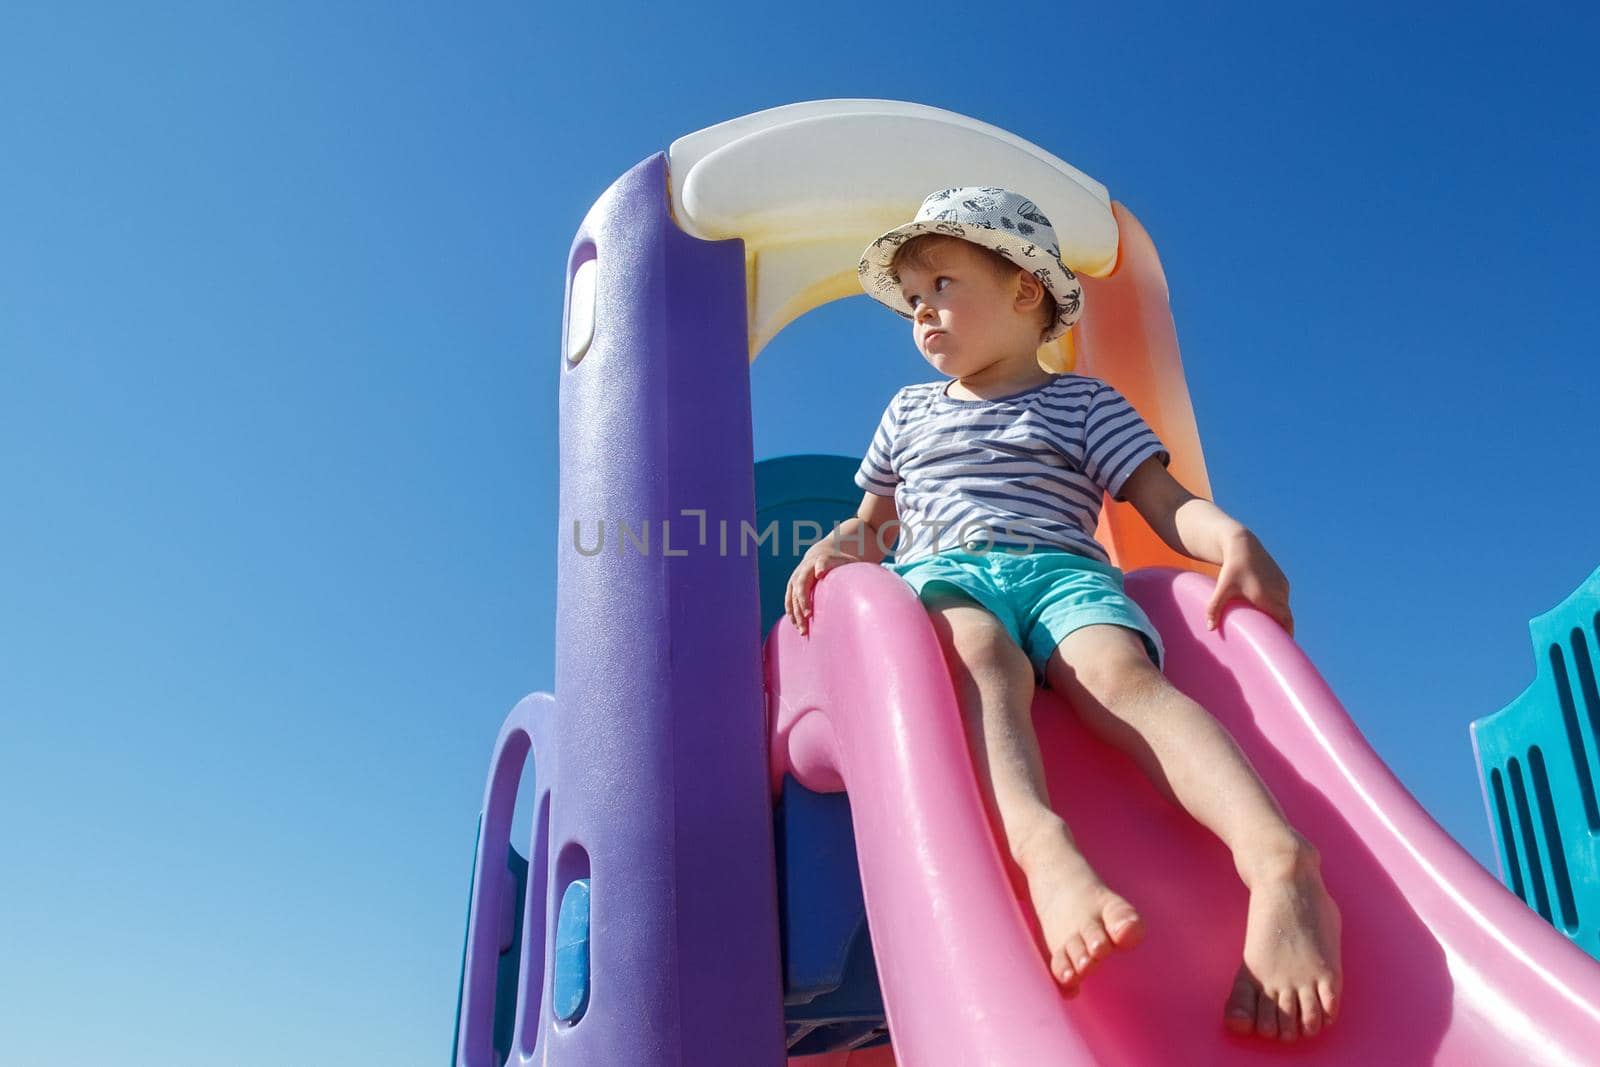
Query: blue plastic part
x=571, y=995
x=1539, y=764
x=831, y=995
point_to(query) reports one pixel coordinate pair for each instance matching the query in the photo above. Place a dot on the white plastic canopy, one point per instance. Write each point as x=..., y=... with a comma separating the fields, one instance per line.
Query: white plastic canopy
x=808, y=185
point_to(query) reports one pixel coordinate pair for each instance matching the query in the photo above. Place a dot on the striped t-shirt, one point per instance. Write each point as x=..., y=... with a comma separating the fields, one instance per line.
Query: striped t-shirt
x=1022, y=473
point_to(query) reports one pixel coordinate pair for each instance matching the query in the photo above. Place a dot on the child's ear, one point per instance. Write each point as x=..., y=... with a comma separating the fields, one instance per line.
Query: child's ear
x=1030, y=291
x=1030, y=286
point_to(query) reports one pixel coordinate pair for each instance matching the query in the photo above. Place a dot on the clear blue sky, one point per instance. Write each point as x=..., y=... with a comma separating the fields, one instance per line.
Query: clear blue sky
x=279, y=314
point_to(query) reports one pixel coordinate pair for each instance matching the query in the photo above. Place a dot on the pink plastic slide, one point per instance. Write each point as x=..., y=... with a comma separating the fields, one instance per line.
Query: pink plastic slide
x=1442, y=964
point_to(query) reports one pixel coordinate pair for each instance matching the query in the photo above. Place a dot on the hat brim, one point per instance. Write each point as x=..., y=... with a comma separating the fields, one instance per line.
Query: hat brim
x=883, y=285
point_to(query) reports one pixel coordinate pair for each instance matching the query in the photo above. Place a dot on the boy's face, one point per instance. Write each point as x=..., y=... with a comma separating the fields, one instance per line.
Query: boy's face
x=967, y=315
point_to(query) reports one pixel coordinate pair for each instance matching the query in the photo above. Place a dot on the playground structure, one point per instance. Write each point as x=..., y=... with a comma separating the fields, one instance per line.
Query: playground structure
x=1538, y=760
x=696, y=890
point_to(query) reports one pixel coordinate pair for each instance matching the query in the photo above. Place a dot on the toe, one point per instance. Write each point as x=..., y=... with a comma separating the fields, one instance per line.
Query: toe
x=1266, y=1016
x=1063, y=971
x=1310, y=1011
x=1240, y=1013
x=1078, y=952
x=1124, y=924
x=1071, y=985
x=1097, y=941
x=1328, y=993
x=1288, y=1015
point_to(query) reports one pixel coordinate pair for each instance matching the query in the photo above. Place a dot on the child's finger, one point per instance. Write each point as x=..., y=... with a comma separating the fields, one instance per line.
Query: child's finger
x=802, y=598
x=1214, y=609
x=1221, y=593
x=795, y=600
x=1277, y=609
x=828, y=564
x=818, y=569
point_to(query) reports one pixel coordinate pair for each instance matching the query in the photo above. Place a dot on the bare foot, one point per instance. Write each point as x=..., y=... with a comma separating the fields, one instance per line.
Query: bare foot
x=1290, y=982
x=1082, y=919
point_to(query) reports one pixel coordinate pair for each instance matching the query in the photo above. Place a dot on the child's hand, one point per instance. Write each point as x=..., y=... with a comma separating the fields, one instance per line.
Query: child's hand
x=1249, y=573
x=819, y=559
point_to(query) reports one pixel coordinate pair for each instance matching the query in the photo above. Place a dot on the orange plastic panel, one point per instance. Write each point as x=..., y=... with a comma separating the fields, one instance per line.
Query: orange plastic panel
x=1126, y=337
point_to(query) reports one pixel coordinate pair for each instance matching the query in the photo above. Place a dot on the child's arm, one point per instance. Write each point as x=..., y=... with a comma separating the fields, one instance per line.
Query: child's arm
x=1201, y=530
x=859, y=539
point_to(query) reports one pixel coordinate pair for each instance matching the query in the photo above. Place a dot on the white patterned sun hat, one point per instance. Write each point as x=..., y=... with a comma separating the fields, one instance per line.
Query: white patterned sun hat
x=1005, y=222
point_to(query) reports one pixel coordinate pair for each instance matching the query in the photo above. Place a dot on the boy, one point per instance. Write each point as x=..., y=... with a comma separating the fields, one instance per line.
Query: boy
x=994, y=480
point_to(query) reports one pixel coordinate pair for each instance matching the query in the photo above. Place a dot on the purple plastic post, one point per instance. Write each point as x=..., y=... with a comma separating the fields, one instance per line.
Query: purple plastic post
x=655, y=755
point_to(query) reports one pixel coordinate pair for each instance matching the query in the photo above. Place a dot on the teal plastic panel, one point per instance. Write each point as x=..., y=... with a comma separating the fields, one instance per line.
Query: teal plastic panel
x=1539, y=764
x=814, y=490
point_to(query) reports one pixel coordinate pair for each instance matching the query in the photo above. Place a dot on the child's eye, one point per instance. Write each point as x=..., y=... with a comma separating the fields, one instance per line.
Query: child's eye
x=941, y=278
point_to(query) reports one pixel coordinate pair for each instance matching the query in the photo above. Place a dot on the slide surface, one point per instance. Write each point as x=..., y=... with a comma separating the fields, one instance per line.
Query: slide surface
x=1442, y=964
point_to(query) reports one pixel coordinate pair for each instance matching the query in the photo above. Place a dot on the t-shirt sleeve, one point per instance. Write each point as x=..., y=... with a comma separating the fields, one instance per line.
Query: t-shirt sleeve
x=876, y=473
x=1117, y=440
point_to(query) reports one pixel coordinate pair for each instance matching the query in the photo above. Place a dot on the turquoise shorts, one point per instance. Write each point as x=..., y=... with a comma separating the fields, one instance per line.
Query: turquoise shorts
x=1039, y=597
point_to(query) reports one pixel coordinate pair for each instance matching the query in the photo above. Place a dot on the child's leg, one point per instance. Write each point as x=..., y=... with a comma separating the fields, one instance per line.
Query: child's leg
x=1290, y=979
x=1081, y=918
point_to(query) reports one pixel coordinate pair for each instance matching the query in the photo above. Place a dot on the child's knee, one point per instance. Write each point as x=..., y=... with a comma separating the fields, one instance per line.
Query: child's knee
x=1116, y=668
x=1128, y=678
x=979, y=641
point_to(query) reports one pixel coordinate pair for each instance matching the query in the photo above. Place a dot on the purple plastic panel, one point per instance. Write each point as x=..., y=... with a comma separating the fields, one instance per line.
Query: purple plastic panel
x=654, y=755
x=530, y=725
